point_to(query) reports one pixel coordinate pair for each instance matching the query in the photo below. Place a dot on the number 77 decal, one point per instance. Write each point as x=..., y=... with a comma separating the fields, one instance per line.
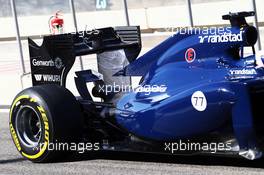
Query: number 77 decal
x=199, y=101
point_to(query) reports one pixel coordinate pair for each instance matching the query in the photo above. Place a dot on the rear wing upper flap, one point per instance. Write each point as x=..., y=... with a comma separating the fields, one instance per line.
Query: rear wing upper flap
x=100, y=40
x=130, y=35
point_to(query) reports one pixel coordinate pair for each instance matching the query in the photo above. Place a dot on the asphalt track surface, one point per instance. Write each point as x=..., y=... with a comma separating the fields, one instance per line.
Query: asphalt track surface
x=121, y=163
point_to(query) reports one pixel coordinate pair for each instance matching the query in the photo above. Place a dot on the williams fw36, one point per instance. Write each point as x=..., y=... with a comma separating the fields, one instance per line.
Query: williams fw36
x=199, y=93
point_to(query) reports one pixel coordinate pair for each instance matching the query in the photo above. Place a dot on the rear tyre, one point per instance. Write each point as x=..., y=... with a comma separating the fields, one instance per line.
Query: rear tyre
x=41, y=119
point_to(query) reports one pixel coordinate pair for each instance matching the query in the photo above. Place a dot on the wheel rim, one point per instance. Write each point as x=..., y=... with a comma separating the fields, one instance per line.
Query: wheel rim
x=28, y=126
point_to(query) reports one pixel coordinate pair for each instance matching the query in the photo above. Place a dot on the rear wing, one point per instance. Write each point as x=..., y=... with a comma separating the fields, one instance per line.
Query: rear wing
x=51, y=62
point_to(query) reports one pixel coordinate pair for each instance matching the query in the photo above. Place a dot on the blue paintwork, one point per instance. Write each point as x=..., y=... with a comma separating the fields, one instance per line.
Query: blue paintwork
x=218, y=73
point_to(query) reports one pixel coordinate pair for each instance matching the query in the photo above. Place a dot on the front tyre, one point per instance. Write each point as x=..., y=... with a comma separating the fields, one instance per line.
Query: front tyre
x=43, y=117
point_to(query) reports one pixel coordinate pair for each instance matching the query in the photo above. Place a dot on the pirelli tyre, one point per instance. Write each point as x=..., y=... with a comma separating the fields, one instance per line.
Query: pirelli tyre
x=43, y=117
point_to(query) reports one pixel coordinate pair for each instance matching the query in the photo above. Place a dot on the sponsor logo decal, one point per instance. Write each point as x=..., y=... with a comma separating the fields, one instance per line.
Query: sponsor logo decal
x=50, y=63
x=199, y=101
x=58, y=63
x=15, y=138
x=243, y=72
x=190, y=55
x=226, y=37
x=46, y=124
x=47, y=78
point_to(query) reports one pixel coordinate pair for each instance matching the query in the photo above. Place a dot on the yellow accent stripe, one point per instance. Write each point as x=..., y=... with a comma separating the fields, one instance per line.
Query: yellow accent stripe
x=41, y=109
x=33, y=100
x=13, y=133
x=42, y=150
x=15, y=102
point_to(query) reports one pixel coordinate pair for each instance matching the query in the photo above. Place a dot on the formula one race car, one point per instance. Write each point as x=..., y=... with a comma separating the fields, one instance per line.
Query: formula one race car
x=199, y=94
